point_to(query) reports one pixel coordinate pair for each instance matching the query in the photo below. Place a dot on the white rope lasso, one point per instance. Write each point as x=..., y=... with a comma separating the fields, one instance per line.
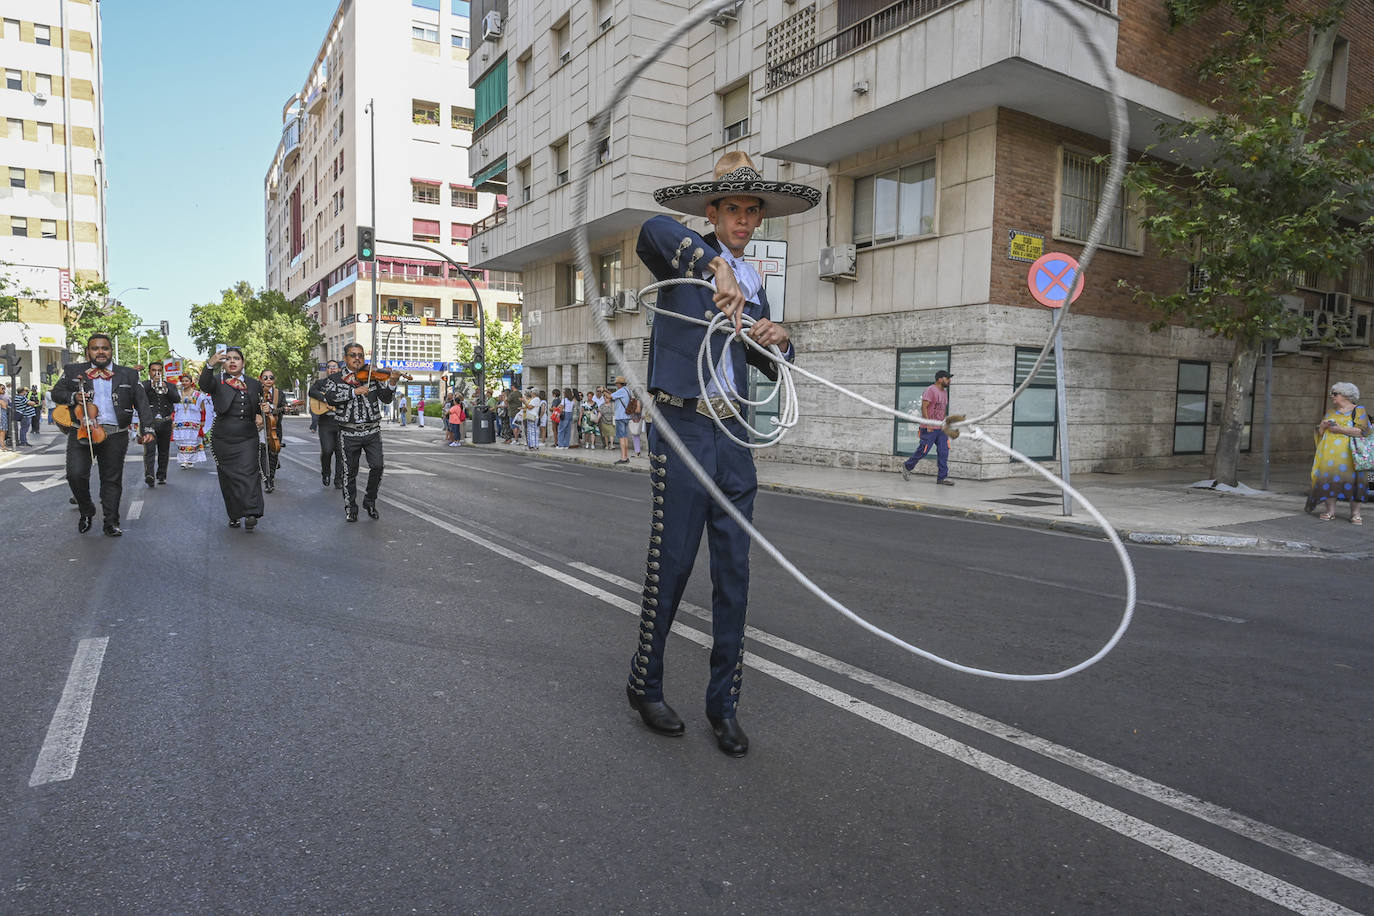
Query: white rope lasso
x=785, y=390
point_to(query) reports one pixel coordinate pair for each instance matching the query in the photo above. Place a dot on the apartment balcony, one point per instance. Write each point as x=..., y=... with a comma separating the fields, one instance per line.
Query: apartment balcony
x=490, y=143
x=314, y=103
x=291, y=138
x=919, y=63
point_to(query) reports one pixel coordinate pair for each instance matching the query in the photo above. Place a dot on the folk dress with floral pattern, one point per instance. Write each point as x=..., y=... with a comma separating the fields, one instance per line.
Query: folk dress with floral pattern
x=1333, y=468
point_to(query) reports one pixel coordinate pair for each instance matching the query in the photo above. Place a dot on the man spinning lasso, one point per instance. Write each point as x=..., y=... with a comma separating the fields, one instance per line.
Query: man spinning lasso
x=735, y=203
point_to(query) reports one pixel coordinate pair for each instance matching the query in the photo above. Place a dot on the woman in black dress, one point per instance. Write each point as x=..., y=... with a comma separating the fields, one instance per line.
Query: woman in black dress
x=270, y=446
x=234, y=442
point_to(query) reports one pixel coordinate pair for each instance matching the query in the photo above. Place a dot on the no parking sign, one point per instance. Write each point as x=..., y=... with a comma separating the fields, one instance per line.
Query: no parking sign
x=1048, y=279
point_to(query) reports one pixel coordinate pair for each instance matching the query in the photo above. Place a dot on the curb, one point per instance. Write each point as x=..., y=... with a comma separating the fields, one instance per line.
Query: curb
x=1060, y=525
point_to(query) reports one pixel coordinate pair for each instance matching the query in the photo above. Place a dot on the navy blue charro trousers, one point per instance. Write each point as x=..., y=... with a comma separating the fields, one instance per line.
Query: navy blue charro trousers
x=682, y=510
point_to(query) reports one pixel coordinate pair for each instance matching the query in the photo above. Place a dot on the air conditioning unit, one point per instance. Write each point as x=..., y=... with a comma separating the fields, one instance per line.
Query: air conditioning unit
x=626, y=301
x=40, y=96
x=564, y=57
x=839, y=262
x=1358, y=327
x=1337, y=304
x=491, y=25
x=1290, y=344
x=603, y=307
x=1321, y=326
x=728, y=14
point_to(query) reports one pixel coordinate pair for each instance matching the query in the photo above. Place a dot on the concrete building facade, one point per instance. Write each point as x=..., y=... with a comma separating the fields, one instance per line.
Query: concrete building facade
x=411, y=62
x=52, y=198
x=953, y=141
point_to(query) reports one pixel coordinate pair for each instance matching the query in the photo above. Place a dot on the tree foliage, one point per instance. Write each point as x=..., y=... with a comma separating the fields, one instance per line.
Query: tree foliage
x=505, y=348
x=1256, y=193
x=273, y=332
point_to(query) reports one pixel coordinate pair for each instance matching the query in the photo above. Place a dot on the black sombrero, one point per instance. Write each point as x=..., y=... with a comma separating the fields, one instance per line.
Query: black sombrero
x=736, y=175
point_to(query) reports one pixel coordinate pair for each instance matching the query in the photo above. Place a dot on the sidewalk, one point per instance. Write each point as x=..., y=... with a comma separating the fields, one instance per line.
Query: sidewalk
x=1145, y=507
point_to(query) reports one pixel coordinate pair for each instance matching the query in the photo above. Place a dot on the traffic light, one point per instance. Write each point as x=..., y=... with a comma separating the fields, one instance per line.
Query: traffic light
x=367, y=243
x=9, y=355
x=479, y=363
x=166, y=328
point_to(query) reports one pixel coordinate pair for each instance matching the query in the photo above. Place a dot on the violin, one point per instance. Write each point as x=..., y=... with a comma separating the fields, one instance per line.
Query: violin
x=84, y=412
x=271, y=423
x=368, y=374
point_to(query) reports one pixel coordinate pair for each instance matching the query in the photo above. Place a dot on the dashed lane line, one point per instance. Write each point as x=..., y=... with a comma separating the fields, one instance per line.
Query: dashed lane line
x=62, y=745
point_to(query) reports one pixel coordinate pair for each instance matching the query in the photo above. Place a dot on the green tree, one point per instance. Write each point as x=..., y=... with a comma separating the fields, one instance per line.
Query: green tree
x=9, y=295
x=1257, y=192
x=505, y=348
x=91, y=310
x=273, y=332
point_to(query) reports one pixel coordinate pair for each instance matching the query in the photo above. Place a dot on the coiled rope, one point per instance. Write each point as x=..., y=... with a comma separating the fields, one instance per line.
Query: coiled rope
x=785, y=391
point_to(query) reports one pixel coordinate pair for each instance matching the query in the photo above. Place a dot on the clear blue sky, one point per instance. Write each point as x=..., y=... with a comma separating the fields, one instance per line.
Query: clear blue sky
x=192, y=118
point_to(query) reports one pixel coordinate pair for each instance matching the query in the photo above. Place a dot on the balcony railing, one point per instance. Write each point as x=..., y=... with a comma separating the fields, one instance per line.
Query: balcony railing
x=490, y=222
x=862, y=33
x=488, y=125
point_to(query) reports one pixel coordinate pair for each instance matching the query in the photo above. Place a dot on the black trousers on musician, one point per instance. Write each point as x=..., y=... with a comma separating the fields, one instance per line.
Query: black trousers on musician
x=159, y=448
x=331, y=456
x=109, y=456
x=354, y=448
x=268, y=462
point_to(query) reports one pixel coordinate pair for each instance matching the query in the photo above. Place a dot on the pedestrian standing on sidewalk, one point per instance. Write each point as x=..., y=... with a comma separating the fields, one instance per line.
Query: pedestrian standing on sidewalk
x=455, y=423
x=50, y=404
x=37, y=406
x=1334, y=476
x=4, y=419
x=23, y=410
x=636, y=425
x=401, y=408
x=420, y=412
x=607, y=425
x=565, y=419
x=534, y=409
x=621, y=401
x=591, y=420
x=934, y=405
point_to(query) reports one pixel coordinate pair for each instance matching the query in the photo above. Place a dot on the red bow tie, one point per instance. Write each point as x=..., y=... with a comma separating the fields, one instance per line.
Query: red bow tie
x=235, y=383
x=99, y=373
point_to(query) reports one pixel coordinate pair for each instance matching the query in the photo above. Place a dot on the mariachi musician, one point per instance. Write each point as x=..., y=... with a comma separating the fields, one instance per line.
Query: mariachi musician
x=162, y=401
x=356, y=394
x=234, y=438
x=331, y=456
x=106, y=395
x=269, y=428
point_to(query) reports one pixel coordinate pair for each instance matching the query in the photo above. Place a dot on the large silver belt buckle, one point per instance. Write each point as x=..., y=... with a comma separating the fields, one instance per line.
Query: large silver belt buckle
x=724, y=408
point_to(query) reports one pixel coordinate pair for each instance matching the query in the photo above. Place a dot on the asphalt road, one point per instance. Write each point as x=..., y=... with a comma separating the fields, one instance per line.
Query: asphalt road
x=425, y=713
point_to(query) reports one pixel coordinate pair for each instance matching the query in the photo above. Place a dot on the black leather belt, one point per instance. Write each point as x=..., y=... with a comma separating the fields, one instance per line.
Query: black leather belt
x=724, y=406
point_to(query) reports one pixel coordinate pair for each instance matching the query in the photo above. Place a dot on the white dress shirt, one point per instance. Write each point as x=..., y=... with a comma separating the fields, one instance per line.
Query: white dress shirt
x=749, y=283
x=104, y=401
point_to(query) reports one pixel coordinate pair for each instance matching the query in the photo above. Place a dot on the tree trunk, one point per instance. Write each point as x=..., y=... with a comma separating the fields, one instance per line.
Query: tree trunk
x=1238, y=387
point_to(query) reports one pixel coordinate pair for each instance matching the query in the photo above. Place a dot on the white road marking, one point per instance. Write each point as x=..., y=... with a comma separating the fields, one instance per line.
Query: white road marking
x=34, y=473
x=1249, y=828
x=62, y=746
x=549, y=469
x=295, y=440
x=56, y=479
x=1250, y=879
x=403, y=469
x=135, y=508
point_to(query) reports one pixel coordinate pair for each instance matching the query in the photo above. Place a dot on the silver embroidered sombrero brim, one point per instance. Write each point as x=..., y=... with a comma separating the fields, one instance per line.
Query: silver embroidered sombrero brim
x=780, y=198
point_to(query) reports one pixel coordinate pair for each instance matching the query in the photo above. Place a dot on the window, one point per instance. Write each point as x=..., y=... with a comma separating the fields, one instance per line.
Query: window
x=734, y=108
x=560, y=163
x=1080, y=185
x=409, y=343
x=461, y=118
x=459, y=39
x=19, y=226
x=522, y=73
x=603, y=151
x=17, y=178
x=45, y=132
x=1035, y=415
x=490, y=94
x=1333, y=78
x=12, y=28
x=422, y=112
x=459, y=232
x=463, y=197
x=47, y=181
x=424, y=230
x=896, y=204
x=14, y=79
x=42, y=82
x=14, y=128
x=426, y=4
x=424, y=192
x=48, y=228
x=760, y=389
x=508, y=312
x=570, y=291
x=42, y=34
x=1362, y=277
x=915, y=373
x=1190, y=408
x=604, y=14
x=465, y=311
x=462, y=8
x=562, y=51
x=506, y=280
x=608, y=273
x=424, y=33
x=522, y=173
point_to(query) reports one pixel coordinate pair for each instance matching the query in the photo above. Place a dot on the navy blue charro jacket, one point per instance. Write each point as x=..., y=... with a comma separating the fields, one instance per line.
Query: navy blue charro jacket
x=670, y=250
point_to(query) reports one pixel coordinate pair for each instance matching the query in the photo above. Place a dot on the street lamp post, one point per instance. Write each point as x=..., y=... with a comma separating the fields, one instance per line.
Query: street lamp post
x=116, y=300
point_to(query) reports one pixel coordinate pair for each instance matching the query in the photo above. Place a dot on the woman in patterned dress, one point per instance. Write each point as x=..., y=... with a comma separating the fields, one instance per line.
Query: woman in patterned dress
x=188, y=424
x=1334, y=476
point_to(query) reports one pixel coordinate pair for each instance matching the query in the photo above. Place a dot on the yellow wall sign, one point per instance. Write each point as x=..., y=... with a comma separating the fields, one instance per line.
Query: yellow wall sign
x=1024, y=246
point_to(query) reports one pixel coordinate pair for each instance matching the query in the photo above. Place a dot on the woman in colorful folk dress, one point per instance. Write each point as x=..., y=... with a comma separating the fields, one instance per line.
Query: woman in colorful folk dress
x=188, y=424
x=1334, y=476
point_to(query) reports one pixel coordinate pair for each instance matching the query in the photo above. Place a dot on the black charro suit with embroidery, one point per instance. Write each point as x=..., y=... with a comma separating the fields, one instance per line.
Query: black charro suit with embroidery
x=127, y=396
x=234, y=441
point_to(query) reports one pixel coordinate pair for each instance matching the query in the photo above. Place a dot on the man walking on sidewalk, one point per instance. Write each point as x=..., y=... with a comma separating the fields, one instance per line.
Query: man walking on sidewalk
x=934, y=404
